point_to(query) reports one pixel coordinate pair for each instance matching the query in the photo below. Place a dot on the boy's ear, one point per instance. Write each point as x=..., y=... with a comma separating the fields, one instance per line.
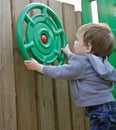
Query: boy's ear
x=88, y=48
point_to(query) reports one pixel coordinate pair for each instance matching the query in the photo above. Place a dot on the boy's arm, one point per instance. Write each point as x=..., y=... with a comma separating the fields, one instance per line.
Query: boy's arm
x=72, y=70
x=35, y=66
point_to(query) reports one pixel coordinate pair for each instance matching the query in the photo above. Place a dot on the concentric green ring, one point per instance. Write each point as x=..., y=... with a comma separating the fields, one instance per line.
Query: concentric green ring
x=46, y=23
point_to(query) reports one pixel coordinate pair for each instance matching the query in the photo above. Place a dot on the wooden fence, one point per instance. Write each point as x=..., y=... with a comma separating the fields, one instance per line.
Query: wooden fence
x=29, y=101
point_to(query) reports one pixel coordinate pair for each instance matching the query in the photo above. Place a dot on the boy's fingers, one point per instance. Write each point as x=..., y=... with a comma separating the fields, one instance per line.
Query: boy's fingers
x=27, y=62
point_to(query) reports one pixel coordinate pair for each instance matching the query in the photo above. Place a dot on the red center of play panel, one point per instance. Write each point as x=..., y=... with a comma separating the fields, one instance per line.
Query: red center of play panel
x=43, y=38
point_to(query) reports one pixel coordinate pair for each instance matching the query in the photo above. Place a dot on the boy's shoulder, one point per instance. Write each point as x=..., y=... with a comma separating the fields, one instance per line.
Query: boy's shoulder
x=81, y=57
x=75, y=58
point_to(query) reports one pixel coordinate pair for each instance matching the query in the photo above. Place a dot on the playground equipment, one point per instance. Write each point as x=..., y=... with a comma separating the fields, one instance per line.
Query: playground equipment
x=41, y=35
x=106, y=14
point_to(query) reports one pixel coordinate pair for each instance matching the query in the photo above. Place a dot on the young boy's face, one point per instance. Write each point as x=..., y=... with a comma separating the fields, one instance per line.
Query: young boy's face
x=79, y=47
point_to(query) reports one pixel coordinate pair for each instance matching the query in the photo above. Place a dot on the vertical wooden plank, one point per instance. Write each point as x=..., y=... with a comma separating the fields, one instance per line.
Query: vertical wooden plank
x=25, y=83
x=78, y=118
x=62, y=107
x=82, y=119
x=70, y=27
x=56, y=6
x=78, y=19
x=7, y=84
x=63, y=118
x=49, y=103
x=45, y=98
x=86, y=122
x=77, y=112
x=45, y=103
x=69, y=23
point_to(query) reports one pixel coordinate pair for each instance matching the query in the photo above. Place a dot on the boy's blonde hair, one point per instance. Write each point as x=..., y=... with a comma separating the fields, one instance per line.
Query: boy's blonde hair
x=99, y=36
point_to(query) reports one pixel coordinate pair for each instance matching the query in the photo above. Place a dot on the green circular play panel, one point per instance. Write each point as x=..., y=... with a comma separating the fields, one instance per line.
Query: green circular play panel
x=40, y=34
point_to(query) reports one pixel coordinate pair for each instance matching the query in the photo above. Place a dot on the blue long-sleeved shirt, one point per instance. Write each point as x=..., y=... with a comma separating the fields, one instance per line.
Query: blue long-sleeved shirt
x=91, y=78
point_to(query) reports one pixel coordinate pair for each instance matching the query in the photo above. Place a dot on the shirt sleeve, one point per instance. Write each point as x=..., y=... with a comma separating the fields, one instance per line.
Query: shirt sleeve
x=70, y=71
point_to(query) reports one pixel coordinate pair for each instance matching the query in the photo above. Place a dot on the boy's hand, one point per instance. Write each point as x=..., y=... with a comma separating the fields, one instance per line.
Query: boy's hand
x=66, y=50
x=33, y=65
